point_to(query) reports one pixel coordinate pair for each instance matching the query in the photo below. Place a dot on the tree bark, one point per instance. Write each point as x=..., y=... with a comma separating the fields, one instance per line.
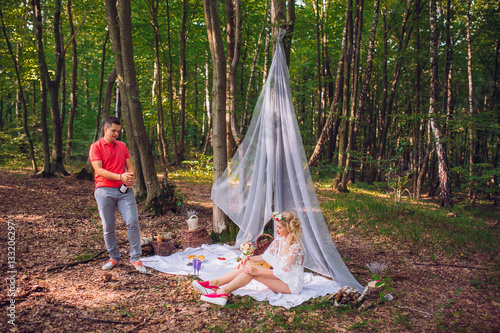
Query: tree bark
x=170, y=87
x=52, y=85
x=122, y=95
x=157, y=92
x=403, y=42
x=218, y=102
x=346, y=95
x=74, y=80
x=471, y=104
x=135, y=109
x=445, y=198
x=182, y=81
x=364, y=92
x=333, y=114
x=233, y=19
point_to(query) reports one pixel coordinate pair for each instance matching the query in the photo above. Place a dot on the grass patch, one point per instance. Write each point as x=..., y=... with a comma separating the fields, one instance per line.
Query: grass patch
x=418, y=224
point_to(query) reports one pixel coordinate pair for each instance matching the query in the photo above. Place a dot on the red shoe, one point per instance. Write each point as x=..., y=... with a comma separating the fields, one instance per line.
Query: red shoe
x=214, y=298
x=204, y=287
x=110, y=264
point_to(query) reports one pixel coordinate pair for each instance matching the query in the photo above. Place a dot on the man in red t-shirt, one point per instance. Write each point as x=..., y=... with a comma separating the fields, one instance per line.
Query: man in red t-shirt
x=114, y=176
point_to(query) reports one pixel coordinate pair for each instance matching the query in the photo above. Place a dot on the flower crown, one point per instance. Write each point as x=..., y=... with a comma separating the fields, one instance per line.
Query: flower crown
x=277, y=216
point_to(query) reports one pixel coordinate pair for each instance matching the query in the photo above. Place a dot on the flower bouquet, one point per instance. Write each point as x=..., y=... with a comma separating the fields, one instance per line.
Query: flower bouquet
x=247, y=249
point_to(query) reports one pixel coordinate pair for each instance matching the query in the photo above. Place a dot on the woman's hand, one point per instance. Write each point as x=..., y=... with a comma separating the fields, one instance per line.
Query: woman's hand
x=251, y=269
x=242, y=262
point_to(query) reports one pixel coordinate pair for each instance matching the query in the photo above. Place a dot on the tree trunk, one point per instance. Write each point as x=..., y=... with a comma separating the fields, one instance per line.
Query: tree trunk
x=42, y=65
x=445, y=198
x=364, y=91
x=404, y=34
x=182, y=81
x=170, y=88
x=157, y=92
x=21, y=95
x=218, y=102
x=319, y=63
x=74, y=80
x=346, y=95
x=137, y=124
x=122, y=93
x=233, y=19
x=333, y=114
x=471, y=105
x=252, y=70
x=101, y=80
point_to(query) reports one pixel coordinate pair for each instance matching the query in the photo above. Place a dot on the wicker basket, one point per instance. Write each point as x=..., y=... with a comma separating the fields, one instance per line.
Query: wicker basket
x=195, y=238
x=262, y=243
x=165, y=247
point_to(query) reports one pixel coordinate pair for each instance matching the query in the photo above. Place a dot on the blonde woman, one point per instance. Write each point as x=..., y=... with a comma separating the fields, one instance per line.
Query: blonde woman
x=285, y=255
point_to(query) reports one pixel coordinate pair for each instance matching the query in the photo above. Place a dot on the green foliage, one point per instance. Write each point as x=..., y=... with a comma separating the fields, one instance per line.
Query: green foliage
x=480, y=178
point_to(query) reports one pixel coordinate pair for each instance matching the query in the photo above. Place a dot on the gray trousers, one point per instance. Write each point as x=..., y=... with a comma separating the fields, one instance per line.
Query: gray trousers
x=108, y=198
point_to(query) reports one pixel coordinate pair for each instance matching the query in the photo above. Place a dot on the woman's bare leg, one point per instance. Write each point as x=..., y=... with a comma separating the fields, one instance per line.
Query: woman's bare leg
x=273, y=283
x=239, y=281
x=225, y=278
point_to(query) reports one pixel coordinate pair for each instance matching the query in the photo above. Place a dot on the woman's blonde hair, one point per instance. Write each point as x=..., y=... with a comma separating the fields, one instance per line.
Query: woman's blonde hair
x=294, y=227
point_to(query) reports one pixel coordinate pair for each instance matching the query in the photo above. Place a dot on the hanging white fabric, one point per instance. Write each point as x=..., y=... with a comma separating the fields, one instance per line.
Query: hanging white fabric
x=269, y=172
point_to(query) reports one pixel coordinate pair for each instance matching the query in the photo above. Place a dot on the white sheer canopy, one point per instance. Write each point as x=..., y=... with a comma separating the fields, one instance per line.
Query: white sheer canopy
x=269, y=172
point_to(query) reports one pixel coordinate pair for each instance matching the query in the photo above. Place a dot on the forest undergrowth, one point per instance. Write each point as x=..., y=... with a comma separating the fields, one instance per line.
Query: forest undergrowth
x=443, y=265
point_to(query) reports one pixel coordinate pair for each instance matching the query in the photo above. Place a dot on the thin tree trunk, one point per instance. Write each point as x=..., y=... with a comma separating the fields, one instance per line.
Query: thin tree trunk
x=218, y=102
x=182, y=81
x=21, y=95
x=157, y=92
x=74, y=80
x=445, y=198
x=101, y=80
x=230, y=41
x=471, y=104
x=170, y=87
x=252, y=70
x=346, y=95
x=404, y=34
x=235, y=45
x=364, y=91
x=319, y=62
x=333, y=114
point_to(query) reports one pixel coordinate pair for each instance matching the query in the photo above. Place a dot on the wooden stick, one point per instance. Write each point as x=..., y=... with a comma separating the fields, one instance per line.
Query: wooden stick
x=80, y=262
x=111, y=321
x=412, y=309
x=450, y=265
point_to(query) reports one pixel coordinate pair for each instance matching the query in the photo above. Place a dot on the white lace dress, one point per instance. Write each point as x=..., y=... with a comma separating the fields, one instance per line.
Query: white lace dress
x=288, y=264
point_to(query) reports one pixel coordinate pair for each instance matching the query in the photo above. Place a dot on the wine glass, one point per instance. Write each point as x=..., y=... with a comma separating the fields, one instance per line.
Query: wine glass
x=198, y=266
x=195, y=264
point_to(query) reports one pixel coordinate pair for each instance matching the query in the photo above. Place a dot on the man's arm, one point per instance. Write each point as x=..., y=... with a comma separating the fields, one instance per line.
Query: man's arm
x=99, y=170
x=128, y=177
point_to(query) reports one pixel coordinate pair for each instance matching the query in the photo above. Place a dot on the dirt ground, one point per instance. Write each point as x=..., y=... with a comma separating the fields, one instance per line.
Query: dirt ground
x=56, y=222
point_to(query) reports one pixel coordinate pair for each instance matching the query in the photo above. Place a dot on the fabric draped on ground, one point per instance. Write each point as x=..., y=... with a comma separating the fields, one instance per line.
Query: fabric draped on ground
x=213, y=267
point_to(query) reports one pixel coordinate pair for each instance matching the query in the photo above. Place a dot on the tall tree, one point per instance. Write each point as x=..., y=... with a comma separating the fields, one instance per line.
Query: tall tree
x=359, y=106
x=74, y=80
x=445, y=198
x=218, y=102
x=52, y=85
x=233, y=27
x=135, y=109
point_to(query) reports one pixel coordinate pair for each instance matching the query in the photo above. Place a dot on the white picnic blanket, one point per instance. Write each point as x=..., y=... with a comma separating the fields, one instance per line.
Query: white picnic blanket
x=212, y=267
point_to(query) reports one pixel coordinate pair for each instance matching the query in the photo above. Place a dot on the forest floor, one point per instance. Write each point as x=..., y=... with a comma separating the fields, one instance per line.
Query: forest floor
x=56, y=223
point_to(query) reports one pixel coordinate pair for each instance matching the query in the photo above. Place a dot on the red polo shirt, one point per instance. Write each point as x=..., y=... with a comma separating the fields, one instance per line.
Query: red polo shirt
x=113, y=157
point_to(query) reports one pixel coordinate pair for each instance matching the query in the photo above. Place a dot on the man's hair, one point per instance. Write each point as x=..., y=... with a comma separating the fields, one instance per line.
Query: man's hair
x=112, y=120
